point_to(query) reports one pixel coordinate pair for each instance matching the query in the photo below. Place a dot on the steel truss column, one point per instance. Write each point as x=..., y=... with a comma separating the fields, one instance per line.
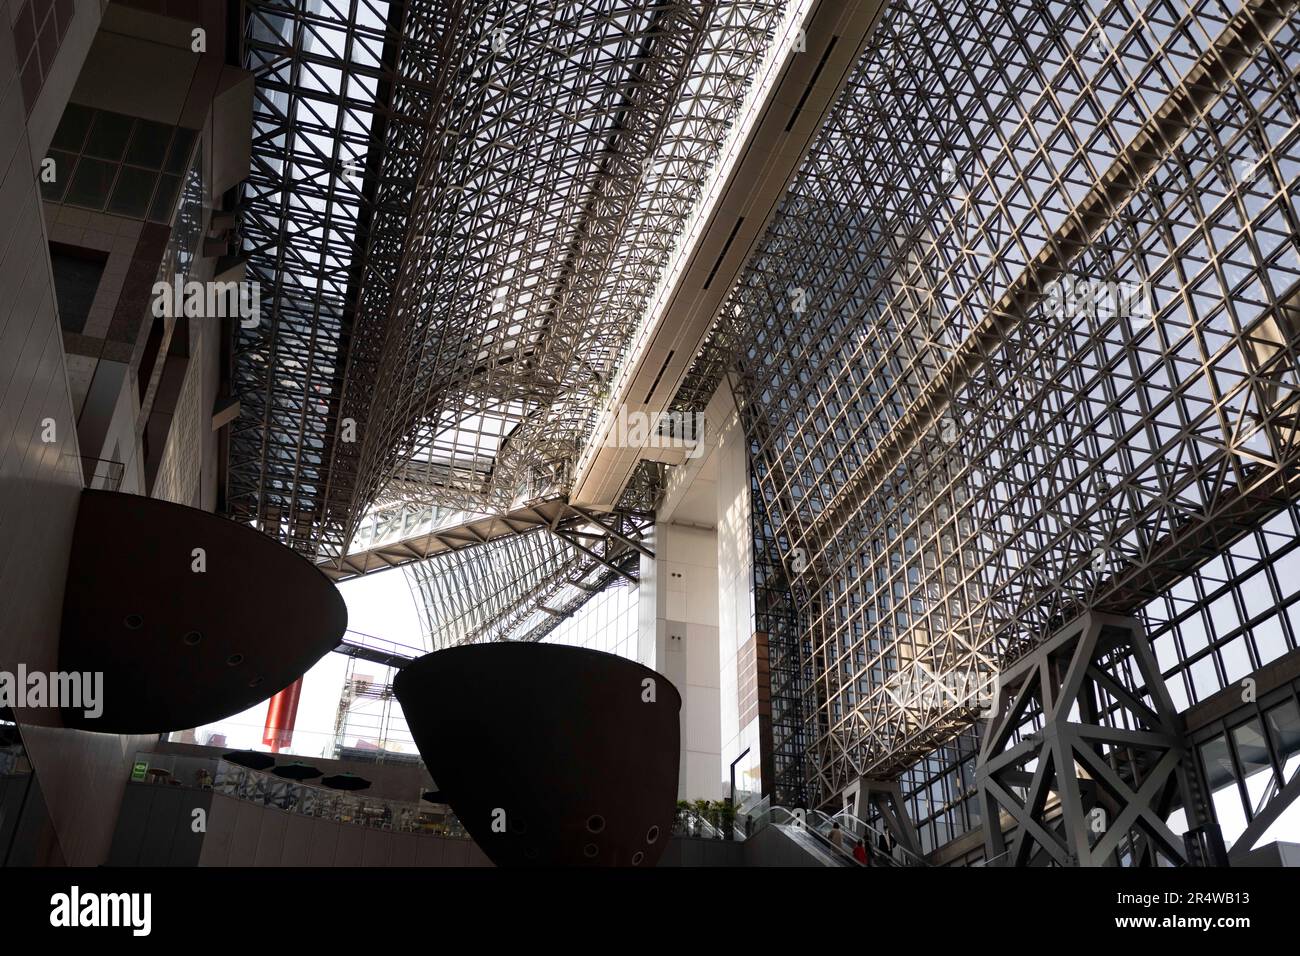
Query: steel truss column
x=886, y=798
x=1086, y=753
x=1283, y=798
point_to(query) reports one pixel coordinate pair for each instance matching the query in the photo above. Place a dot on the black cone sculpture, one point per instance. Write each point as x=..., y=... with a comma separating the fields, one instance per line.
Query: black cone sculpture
x=188, y=616
x=549, y=755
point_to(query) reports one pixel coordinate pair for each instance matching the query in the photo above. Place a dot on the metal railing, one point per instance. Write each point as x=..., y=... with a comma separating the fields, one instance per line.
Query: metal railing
x=820, y=824
x=342, y=807
x=690, y=822
x=102, y=474
x=266, y=789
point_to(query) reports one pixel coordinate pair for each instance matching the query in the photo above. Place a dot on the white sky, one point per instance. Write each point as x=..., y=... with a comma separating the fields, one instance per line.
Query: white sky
x=379, y=605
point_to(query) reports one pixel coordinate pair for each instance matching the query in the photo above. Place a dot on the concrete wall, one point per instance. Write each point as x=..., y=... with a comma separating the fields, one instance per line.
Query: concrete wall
x=695, y=851
x=156, y=826
x=27, y=836
x=40, y=482
x=1273, y=854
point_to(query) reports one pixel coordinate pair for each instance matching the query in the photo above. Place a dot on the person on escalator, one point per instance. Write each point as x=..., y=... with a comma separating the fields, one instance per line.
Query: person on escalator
x=860, y=854
x=837, y=836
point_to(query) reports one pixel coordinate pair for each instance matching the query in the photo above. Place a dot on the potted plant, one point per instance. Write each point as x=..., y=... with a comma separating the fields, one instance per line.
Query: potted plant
x=725, y=811
x=703, y=810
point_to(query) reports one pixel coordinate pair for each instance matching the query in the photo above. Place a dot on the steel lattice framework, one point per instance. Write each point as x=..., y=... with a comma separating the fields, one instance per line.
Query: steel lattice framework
x=955, y=461
x=337, y=135
x=521, y=587
x=457, y=211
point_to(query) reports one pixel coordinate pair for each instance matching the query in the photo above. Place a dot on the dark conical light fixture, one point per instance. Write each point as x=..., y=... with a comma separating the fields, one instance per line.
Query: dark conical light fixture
x=547, y=754
x=296, y=771
x=195, y=618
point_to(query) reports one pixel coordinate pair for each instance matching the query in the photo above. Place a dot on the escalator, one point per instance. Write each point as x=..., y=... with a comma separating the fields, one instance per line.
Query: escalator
x=816, y=846
x=805, y=835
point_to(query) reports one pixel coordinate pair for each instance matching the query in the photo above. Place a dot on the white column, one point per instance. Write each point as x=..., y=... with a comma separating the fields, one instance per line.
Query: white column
x=696, y=607
x=682, y=591
x=737, y=664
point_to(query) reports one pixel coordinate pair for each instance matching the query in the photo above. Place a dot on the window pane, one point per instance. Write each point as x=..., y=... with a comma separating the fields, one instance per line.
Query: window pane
x=108, y=136
x=76, y=278
x=1284, y=726
x=71, y=133
x=91, y=183
x=133, y=192
x=1252, y=754
x=1218, y=765
x=149, y=144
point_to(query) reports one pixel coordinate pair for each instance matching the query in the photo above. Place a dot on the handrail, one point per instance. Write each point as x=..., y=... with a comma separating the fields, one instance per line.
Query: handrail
x=764, y=813
x=110, y=474
x=825, y=839
x=860, y=832
x=867, y=827
x=990, y=861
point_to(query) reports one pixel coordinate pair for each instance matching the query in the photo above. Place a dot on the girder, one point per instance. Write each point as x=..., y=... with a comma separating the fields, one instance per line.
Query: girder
x=522, y=586
x=340, y=107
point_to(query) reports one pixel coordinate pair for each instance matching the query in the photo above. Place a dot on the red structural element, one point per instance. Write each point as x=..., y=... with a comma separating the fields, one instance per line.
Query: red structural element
x=281, y=716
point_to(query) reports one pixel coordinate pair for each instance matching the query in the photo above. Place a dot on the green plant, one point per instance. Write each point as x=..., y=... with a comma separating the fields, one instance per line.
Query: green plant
x=720, y=814
x=726, y=813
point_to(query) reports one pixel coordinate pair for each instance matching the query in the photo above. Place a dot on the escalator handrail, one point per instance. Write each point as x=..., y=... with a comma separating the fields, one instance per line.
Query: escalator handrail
x=867, y=827
x=823, y=844
x=843, y=852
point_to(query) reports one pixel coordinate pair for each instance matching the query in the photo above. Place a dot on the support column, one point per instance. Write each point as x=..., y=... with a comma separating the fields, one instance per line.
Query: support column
x=1093, y=784
x=884, y=797
x=743, y=651
x=678, y=629
x=696, y=617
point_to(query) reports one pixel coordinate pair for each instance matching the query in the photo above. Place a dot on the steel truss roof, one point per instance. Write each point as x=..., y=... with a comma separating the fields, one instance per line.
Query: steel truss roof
x=522, y=586
x=457, y=211
x=951, y=467
x=337, y=133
